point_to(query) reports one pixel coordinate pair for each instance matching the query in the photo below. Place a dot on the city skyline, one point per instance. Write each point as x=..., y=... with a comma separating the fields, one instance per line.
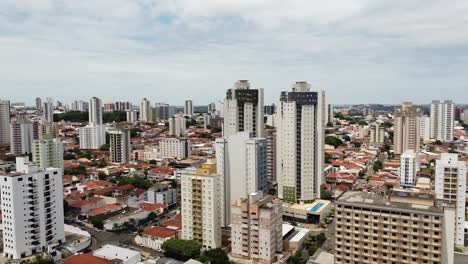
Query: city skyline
x=360, y=51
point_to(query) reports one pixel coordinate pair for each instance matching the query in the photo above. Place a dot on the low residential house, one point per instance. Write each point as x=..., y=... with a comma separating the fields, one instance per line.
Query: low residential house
x=154, y=237
x=83, y=207
x=106, y=209
x=123, y=190
x=341, y=177
x=136, y=197
x=93, y=186
x=164, y=195
x=153, y=207
x=88, y=259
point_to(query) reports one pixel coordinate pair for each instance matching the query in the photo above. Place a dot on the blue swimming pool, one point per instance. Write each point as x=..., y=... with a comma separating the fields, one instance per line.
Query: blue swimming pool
x=316, y=207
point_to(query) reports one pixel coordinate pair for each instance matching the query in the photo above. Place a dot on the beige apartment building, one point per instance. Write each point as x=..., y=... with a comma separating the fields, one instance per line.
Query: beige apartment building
x=256, y=228
x=405, y=229
x=406, y=135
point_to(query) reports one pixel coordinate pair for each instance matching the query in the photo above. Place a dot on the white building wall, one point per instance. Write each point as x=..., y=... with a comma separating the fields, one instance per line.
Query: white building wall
x=48, y=153
x=92, y=137
x=174, y=147
x=410, y=164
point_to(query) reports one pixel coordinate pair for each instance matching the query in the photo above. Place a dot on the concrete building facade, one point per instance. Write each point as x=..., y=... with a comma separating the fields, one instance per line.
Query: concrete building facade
x=406, y=134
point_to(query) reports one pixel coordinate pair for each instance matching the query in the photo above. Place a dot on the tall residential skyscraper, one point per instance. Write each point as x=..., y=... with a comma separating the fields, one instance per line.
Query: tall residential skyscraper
x=162, y=111
x=48, y=110
x=39, y=103
x=300, y=120
x=450, y=188
x=425, y=128
x=48, y=153
x=80, y=106
x=257, y=228
x=243, y=110
x=377, y=135
x=410, y=164
x=442, y=120
x=4, y=122
x=372, y=229
x=145, y=110
x=120, y=148
x=242, y=163
x=95, y=111
x=201, y=206
x=330, y=115
x=270, y=135
x=32, y=210
x=406, y=128
x=131, y=116
x=177, y=126
x=21, y=136
x=188, y=108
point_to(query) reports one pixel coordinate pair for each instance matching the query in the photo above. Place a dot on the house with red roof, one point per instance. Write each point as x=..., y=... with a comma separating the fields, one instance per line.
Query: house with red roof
x=88, y=259
x=154, y=237
x=123, y=190
x=85, y=206
x=106, y=209
x=153, y=207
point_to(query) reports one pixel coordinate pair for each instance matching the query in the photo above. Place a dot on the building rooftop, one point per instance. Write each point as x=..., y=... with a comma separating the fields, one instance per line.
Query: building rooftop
x=114, y=252
x=86, y=258
x=161, y=232
x=378, y=201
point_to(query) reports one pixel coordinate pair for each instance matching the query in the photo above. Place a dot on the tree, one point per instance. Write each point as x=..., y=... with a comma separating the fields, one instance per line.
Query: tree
x=181, y=249
x=39, y=259
x=97, y=223
x=102, y=176
x=104, y=147
x=214, y=256
x=333, y=141
x=134, y=132
x=151, y=216
x=378, y=165
x=362, y=123
x=137, y=182
x=68, y=156
x=362, y=173
x=297, y=258
x=216, y=129
x=153, y=162
x=357, y=144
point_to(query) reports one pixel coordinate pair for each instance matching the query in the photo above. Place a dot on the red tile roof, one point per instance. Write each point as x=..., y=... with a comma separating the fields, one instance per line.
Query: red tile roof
x=152, y=206
x=86, y=202
x=125, y=187
x=86, y=258
x=105, y=209
x=161, y=232
x=172, y=223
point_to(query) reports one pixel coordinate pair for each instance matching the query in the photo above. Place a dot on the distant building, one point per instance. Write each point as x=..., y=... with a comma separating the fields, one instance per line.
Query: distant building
x=174, y=147
x=131, y=116
x=450, y=188
x=4, y=122
x=442, y=120
x=119, y=143
x=21, y=136
x=406, y=135
x=32, y=210
x=410, y=165
x=256, y=228
x=162, y=111
x=425, y=128
x=48, y=110
x=145, y=110
x=188, y=108
x=243, y=110
x=201, y=206
x=95, y=111
x=270, y=135
x=376, y=135
x=372, y=229
x=92, y=137
x=330, y=115
x=177, y=126
x=38, y=103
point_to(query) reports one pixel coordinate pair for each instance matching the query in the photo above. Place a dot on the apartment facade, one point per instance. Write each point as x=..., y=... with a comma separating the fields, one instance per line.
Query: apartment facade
x=406, y=128
x=48, y=153
x=242, y=163
x=167, y=196
x=145, y=110
x=410, y=164
x=179, y=148
x=256, y=228
x=120, y=147
x=32, y=210
x=48, y=110
x=376, y=135
x=450, y=188
x=442, y=120
x=425, y=128
x=177, y=126
x=92, y=136
x=95, y=111
x=21, y=136
x=372, y=229
x=300, y=120
x=188, y=108
x=270, y=135
x=201, y=206
x=243, y=110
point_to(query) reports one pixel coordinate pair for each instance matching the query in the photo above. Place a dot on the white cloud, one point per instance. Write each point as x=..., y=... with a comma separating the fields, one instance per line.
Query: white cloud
x=121, y=48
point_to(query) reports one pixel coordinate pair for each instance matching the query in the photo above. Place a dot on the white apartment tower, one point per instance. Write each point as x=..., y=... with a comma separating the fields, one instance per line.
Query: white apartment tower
x=4, y=122
x=131, y=116
x=256, y=228
x=177, y=126
x=32, y=210
x=450, y=188
x=95, y=111
x=242, y=163
x=425, y=128
x=48, y=153
x=243, y=110
x=201, y=206
x=410, y=164
x=377, y=135
x=38, y=103
x=188, y=108
x=48, y=110
x=120, y=148
x=145, y=110
x=300, y=120
x=442, y=120
x=92, y=137
x=21, y=136
x=406, y=128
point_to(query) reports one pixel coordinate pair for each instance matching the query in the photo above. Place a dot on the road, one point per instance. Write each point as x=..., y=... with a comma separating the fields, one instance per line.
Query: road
x=329, y=244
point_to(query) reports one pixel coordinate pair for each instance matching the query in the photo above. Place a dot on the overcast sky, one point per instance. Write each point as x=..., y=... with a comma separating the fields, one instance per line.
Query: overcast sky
x=358, y=51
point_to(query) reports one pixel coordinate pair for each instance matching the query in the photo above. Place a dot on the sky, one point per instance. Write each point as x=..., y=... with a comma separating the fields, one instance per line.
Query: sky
x=358, y=51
